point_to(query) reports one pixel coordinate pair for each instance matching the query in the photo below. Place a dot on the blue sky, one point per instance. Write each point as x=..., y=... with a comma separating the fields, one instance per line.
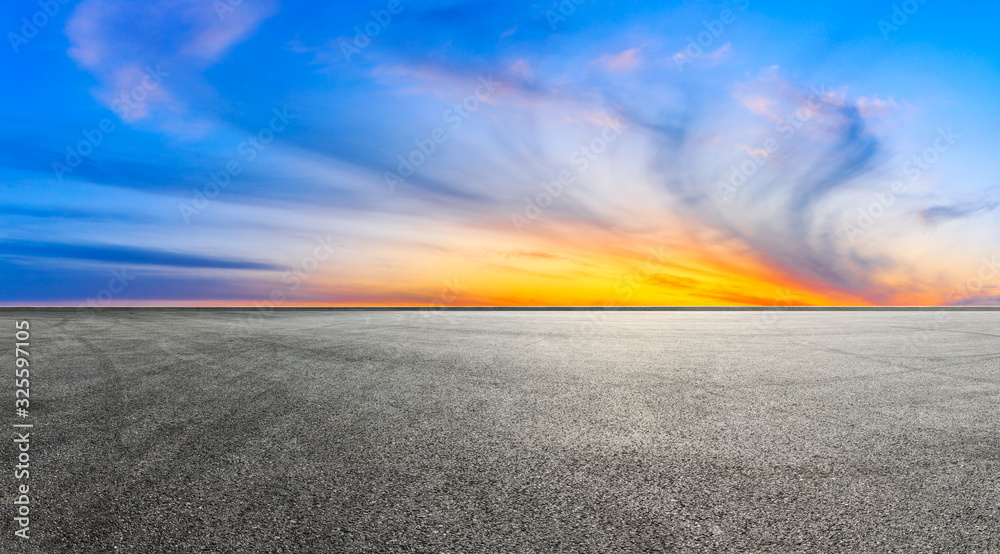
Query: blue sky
x=255, y=152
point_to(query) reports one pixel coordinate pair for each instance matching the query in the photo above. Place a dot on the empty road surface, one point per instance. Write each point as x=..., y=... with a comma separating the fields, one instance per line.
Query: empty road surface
x=525, y=431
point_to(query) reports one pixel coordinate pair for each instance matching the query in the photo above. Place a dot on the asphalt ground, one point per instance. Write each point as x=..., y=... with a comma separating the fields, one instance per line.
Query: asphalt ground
x=335, y=431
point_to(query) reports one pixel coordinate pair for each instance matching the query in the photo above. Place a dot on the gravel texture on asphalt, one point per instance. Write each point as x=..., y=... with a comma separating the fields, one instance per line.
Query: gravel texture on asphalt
x=336, y=431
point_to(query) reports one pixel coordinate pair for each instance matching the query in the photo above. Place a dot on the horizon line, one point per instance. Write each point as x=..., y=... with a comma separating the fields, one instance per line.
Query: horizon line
x=521, y=308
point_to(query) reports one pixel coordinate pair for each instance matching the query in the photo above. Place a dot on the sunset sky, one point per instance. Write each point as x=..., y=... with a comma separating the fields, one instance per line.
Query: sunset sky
x=407, y=152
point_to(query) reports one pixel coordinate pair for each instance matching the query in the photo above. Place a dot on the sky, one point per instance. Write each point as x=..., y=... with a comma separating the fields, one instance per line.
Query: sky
x=454, y=153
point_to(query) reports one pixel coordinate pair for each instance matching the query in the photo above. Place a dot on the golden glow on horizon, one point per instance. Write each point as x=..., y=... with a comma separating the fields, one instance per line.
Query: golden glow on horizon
x=594, y=268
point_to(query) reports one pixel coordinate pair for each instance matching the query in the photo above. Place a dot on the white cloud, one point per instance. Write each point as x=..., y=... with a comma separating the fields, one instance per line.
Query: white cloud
x=121, y=43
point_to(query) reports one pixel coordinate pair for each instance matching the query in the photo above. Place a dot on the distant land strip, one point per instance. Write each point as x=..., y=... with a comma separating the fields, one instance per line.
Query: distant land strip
x=528, y=308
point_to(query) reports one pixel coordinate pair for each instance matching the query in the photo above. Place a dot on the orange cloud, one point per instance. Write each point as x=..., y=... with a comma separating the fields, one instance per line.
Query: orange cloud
x=578, y=264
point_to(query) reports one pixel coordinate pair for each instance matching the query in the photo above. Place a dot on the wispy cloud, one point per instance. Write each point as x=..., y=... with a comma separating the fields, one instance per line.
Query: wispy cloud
x=626, y=60
x=683, y=57
x=812, y=135
x=132, y=256
x=122, y=42
x=935, y=215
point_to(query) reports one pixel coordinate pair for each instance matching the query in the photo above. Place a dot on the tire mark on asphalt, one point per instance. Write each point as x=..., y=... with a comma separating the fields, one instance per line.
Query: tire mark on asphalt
x=530, y=343
x=890, y=359
x=110, y=393
x=872, y=357
x=946, y=331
